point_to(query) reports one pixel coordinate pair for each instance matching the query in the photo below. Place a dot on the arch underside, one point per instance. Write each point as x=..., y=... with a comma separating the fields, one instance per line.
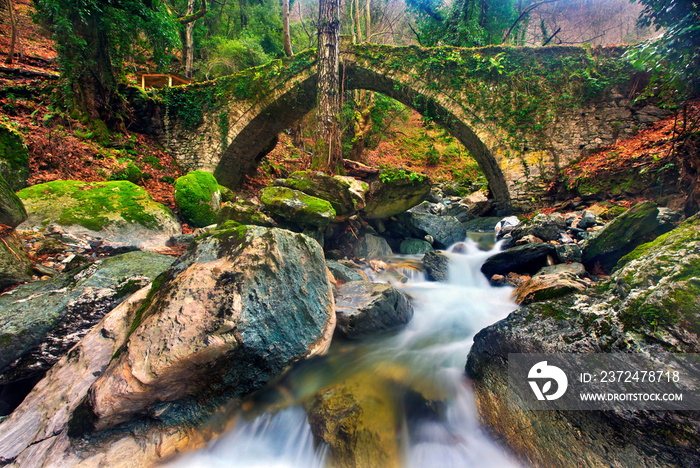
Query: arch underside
x=241, y=155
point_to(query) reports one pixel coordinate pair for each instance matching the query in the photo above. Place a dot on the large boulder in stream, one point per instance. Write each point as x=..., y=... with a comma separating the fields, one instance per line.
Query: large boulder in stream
x=526, y=258
x=445, y=230
x=230, y=315
x=119, y=212
x=297, y=207
x=363, y=308
x=40, y=321
x=649, y=306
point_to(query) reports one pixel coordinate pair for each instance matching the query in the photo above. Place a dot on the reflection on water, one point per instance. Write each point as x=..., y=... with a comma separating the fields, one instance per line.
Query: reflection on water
x=428, y=357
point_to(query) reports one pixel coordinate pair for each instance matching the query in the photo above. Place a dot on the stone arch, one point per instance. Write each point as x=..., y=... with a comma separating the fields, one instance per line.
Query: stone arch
x=241, y=155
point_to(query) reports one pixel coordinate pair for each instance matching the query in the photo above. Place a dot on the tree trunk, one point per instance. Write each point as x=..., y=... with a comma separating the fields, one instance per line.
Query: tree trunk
x=189, y=40
x=285, y=28
x=15, y=36
x=328, y=154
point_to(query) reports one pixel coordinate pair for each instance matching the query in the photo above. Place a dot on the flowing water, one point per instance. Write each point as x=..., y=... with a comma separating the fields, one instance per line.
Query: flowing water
x=429, y=354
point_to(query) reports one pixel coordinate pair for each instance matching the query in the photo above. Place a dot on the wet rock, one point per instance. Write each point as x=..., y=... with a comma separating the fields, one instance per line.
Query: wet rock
x=620, y=236
x=118, y=212
x=526, y=258
x=505, y=226
x=363, y=309
x=358, y=419
x=436, y=266
x=182, y=240
x=345, y=194
x=42, y=320
x=344, y=273
x=415, y=247
x=668, y=219
x=394, y=192
x=370, y=246
x=577, y=269
x=482, y=224
x=297, y=207
x=649, y=306
x=545, y=227
x=15, y=265
x=198, y=197
x=444, y=230
x=12, y=211
x=545, y=286
x=229, y=316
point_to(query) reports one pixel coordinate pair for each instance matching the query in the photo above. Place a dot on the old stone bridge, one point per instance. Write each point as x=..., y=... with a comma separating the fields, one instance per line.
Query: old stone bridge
x=523, y=113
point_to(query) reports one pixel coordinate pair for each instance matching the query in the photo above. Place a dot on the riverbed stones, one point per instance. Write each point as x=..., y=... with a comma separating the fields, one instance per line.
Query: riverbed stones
x=545, y=227
x=198, y=198
x=243, y=304
x=40, y=321
x=343, y=273
x=297, y=207
x=415, y=247
x=620, y=236
x=650, y=305
x=119, y=212
x=547, y=286
x=244, y=211
x=364, y=309
x=370, y=246
x=526, y=258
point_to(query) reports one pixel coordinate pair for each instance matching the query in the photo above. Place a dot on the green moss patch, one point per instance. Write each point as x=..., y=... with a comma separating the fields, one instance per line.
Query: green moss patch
x=198, y=198
x=93, y=206
x=14, y=158
x=297, y=207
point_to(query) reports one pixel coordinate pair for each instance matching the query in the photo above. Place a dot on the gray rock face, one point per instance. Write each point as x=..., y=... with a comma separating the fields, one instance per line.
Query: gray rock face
x=15, y=266
x=415, y=247
x=526, y=258
x=435, y=264
x=342, y=272
x=364, y=308
x=445, y=230
x=621, y=235
x=236, y=310
x=651, y=304
x=371, y=246
x=41, y=321
x=568, y=253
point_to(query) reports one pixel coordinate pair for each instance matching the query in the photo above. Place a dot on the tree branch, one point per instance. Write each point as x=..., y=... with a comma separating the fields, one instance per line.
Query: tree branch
x=195, y=16
x=525, y=12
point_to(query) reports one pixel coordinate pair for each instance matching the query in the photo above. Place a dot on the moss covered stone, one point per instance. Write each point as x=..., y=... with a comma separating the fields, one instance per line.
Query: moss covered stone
x=244, y=212
x=621, y=236
x=338, y=191
x=118, y=211
x=395, y=192
x=12, y=212
x=198, y=198
x=297, y=207
x=14, y=158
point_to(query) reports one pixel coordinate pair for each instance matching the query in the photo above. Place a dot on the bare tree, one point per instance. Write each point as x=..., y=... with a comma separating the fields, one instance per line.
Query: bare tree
x=285, y=29
x=15, y=34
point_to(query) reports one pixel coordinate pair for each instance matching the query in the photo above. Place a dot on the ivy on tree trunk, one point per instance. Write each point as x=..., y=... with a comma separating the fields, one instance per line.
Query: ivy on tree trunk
x=328, y=154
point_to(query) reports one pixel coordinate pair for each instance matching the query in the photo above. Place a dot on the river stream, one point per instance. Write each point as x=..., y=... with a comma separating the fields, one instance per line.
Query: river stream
x=430, y=353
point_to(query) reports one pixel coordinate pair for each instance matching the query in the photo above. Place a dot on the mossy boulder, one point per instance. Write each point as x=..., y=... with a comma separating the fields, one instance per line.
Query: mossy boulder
x=198, y=197
x=14, y=158
x=15, y=265
x=650, y=306
x=12, y=211
x=394, y=192
x=621, y=235
x=244, y=212
x=340, y=192
x=42, y=320
x=119, y=212
x=297, y=207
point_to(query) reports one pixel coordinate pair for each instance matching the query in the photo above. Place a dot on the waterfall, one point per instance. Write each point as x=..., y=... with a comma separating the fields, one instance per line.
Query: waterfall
x=433, y=346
